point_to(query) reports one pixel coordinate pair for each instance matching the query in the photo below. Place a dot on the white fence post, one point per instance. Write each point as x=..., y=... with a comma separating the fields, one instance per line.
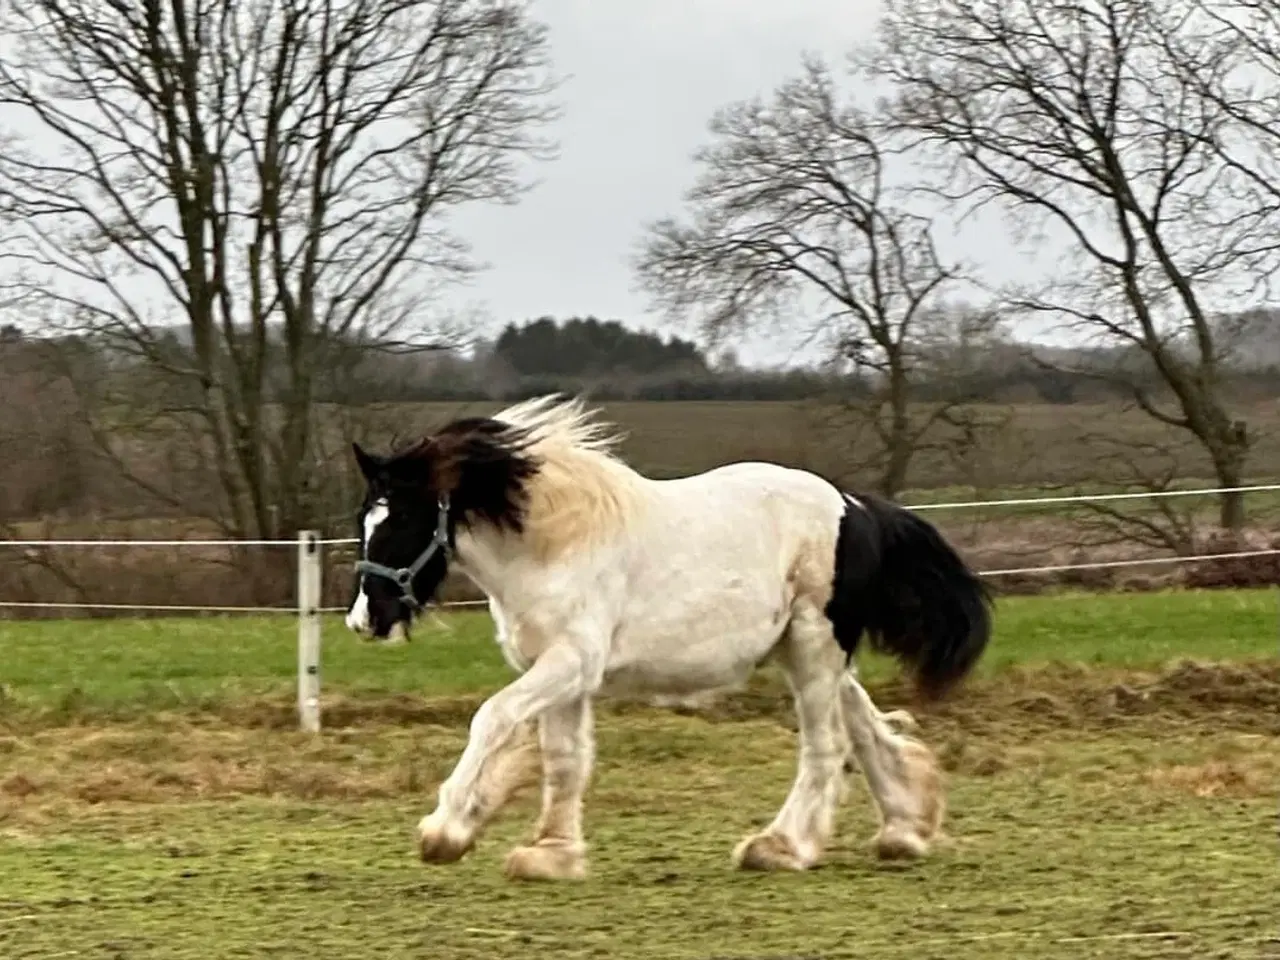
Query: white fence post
x=310, y=573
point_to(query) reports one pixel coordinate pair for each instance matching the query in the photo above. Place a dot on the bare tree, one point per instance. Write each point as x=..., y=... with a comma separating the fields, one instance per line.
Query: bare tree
x=1079, y=119
x=1146, y=464
x=230, y=193
x=792, y=205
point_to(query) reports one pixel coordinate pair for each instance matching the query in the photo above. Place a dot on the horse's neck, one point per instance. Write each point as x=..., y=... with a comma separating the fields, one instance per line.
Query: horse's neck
x=514, y=574
x=488, y=559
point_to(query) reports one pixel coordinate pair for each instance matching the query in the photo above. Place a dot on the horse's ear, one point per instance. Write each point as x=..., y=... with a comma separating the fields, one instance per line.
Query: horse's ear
x=369, y=465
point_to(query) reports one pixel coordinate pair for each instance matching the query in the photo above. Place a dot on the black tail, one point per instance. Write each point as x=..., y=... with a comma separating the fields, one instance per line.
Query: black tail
x=900, y=582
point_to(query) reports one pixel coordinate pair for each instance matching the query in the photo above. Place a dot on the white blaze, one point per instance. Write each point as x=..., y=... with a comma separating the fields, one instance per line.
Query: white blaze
x=358, y=615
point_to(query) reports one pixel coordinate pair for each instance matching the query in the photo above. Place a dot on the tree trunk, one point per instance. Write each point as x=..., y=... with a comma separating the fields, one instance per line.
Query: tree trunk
x=1229, y=455
x=898, y=441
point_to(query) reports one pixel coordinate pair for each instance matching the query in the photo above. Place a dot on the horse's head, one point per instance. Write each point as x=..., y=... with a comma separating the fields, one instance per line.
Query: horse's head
x=414, y=501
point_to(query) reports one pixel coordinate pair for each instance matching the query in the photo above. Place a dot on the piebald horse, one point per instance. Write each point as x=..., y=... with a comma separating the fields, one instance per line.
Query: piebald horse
x=604, y=582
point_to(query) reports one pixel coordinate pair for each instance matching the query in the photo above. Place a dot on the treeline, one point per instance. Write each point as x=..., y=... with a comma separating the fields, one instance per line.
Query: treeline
x=603, y=358
x=613, y=362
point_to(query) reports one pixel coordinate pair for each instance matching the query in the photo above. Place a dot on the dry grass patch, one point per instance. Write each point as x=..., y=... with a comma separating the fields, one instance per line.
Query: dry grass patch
x=401, y=747
x=1216, y=778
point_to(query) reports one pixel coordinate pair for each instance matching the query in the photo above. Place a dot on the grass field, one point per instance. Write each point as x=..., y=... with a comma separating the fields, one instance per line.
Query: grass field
x=1106, y=800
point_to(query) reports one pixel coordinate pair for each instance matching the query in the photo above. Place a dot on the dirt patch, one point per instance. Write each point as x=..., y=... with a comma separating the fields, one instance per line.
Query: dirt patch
x=146, y=764
x=1216, y=778
x=1205, y=730
x=1241, y=696
x=340, y=711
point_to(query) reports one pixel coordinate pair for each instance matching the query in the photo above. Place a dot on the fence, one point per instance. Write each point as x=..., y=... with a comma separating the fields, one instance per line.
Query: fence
x=309, y=593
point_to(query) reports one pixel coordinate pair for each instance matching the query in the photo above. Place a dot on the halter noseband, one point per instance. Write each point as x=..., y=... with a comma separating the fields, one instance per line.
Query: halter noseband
x=403, y=577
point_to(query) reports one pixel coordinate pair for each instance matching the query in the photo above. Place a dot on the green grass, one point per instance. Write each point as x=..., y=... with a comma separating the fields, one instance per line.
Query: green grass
x=135, y=825
x=150, y=663
x=1112, y=877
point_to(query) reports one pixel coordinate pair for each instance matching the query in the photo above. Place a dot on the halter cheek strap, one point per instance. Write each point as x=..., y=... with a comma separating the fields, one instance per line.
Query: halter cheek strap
x=403, y=577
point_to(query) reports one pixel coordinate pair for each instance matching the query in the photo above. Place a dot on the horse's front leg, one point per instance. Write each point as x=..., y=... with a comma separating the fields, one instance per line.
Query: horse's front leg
x=558, y=851
x=477, y=788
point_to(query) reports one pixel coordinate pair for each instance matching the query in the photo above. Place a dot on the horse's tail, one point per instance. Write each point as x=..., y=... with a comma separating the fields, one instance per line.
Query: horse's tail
x=900, y=582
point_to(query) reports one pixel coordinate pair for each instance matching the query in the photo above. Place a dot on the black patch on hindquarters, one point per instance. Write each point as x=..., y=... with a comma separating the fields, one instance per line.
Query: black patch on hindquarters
x=900, y=583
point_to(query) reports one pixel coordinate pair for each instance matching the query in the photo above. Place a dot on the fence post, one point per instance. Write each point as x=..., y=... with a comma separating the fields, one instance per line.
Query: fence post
x=309, y=599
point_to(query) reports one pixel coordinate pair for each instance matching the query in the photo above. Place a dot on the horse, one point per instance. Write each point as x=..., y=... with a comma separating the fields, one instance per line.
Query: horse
x=603, y=582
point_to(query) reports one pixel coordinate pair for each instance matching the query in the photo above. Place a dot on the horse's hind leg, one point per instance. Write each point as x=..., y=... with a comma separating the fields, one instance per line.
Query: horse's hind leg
x=799, y=833
x=901, y=772
x=558, y=851
x=901, y=722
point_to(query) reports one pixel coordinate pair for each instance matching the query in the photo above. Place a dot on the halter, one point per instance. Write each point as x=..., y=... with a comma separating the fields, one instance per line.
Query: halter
x=403, y=577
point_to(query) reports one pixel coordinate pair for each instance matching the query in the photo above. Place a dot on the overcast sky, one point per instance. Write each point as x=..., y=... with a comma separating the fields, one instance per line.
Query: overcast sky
x=642, y=81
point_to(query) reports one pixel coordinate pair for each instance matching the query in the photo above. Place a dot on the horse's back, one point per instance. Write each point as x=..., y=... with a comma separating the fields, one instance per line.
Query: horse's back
x=747, y=514
x=714, y=569
x=755, y=482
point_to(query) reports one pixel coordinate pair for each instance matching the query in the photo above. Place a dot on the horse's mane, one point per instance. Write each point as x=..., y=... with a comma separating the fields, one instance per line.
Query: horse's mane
x=567, y=422
x=582, y=491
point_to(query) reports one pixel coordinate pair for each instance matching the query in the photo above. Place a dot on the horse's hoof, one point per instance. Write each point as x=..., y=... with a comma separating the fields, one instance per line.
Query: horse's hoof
x=547, y=861
x=442, y=842
x=767, y=851
x=897, y=841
